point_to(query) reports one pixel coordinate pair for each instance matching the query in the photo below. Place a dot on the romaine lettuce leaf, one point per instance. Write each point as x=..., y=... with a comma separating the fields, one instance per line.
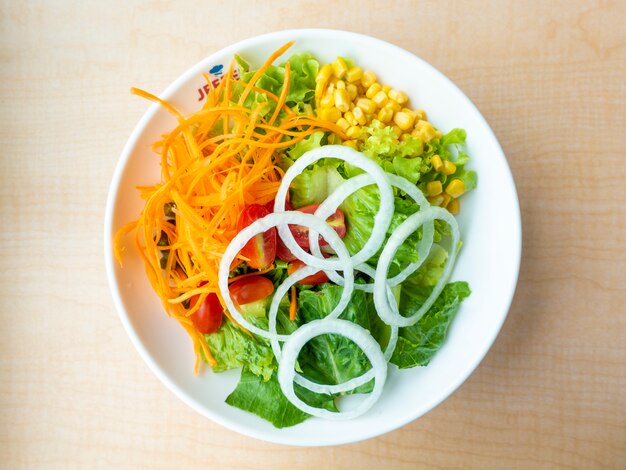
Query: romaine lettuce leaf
x=232, y=347
x=266, y=399
x=417, y=344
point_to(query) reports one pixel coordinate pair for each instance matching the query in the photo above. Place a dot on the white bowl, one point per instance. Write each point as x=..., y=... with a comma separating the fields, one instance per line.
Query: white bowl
x=489, y=221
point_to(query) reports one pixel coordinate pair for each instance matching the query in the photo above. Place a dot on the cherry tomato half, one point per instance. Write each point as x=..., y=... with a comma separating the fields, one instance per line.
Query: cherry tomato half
x=250, y=289
x=337, y=221
x=312, y=280
x=208, y=318
x=261, y=249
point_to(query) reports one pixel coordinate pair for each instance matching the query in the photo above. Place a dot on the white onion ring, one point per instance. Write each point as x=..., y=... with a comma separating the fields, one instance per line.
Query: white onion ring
x=388, y=311
x=358, y=334
x=349, y=187
x=262, y=225
x=381, y=220
x=351, y=384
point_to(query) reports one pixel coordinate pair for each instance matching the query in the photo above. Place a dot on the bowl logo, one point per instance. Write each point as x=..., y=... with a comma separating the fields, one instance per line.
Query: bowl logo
x=216, y=74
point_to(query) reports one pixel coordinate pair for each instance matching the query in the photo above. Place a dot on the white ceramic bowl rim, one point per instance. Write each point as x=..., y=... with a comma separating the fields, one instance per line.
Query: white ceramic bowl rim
x=290, y=436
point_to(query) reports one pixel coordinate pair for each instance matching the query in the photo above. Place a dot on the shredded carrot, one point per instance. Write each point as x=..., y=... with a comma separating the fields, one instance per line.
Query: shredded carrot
x=293, y=306
x=213, y=163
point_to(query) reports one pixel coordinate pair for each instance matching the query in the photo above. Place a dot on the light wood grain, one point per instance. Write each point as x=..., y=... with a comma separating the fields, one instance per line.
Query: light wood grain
x=549, y=77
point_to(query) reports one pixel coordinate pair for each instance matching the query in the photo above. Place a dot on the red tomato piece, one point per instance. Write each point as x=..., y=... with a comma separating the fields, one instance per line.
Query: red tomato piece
x=312, y=280
x=208, y=318
x=250, y=289
x=337, y=221
x=261, y=249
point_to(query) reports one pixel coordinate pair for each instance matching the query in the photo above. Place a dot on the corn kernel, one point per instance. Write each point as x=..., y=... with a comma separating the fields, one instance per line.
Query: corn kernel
x=437, y=163
x=455, y=188
x=330, y=114
x=380, y=99
x=420, y=115
x=343, y=124
x=407, y=110
x=385, y=115
x=352, y=91
x=399, y=96
x=434, y=188
x=404, y=120
x=446, y=199
x=393, y=105
x=386, y=88
x=404, y=137
x=340, y=85
x=351, y=143
x=354, y=74
x=349, y=116
x=319, y=89
x=396, y=131
x=448, y=168
x=327, y=101
x=378, y=124
x=454, y=206
x=436, y=200
x=366, y=105
x=359, y=116
x=333, y=139
x=342, y=100
x=339, y=68
x=324, y=74
x=368, y=79
x=426, y=132
x=354, y=132
x=372, y=90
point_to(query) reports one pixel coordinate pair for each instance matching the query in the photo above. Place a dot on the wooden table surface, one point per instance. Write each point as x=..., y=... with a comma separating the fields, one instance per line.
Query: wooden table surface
x=550, y=77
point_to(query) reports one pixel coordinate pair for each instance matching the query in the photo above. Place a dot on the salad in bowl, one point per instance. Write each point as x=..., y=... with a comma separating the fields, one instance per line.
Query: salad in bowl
x=303, y=231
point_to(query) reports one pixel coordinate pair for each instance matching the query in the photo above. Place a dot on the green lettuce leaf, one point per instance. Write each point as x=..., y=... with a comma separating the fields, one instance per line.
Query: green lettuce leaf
x=315, y=185
x=333, y=359
x=232, y=348
x=417, y=344
x=265, y=399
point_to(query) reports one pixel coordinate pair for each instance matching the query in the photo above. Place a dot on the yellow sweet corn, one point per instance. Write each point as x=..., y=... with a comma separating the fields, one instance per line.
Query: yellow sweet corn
x=349, y=116
x=359, y=116
x=455, y=188
x=446, y=199
x=340, y=85
x=330, y=114
x=436, y=200
x=324, y=74
x=404, y=120
x=425, y=131
x=454, y=206
x=396, y=131
x=372, y=90
x=393, y=105
x=352, y=91
x=398, y=96
x=367, y=105
x=351, y=143
x=327, y=101
x=448, y=169
x=437, y=163
x=368, y=79
x=380, y=99
x=339, y=68
x=343, y=123
x=354, y=132
x=386, y=88
x=342, y=100
x=434, y=188
x=385, y=115
x=420, y=115
x=354, y=74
